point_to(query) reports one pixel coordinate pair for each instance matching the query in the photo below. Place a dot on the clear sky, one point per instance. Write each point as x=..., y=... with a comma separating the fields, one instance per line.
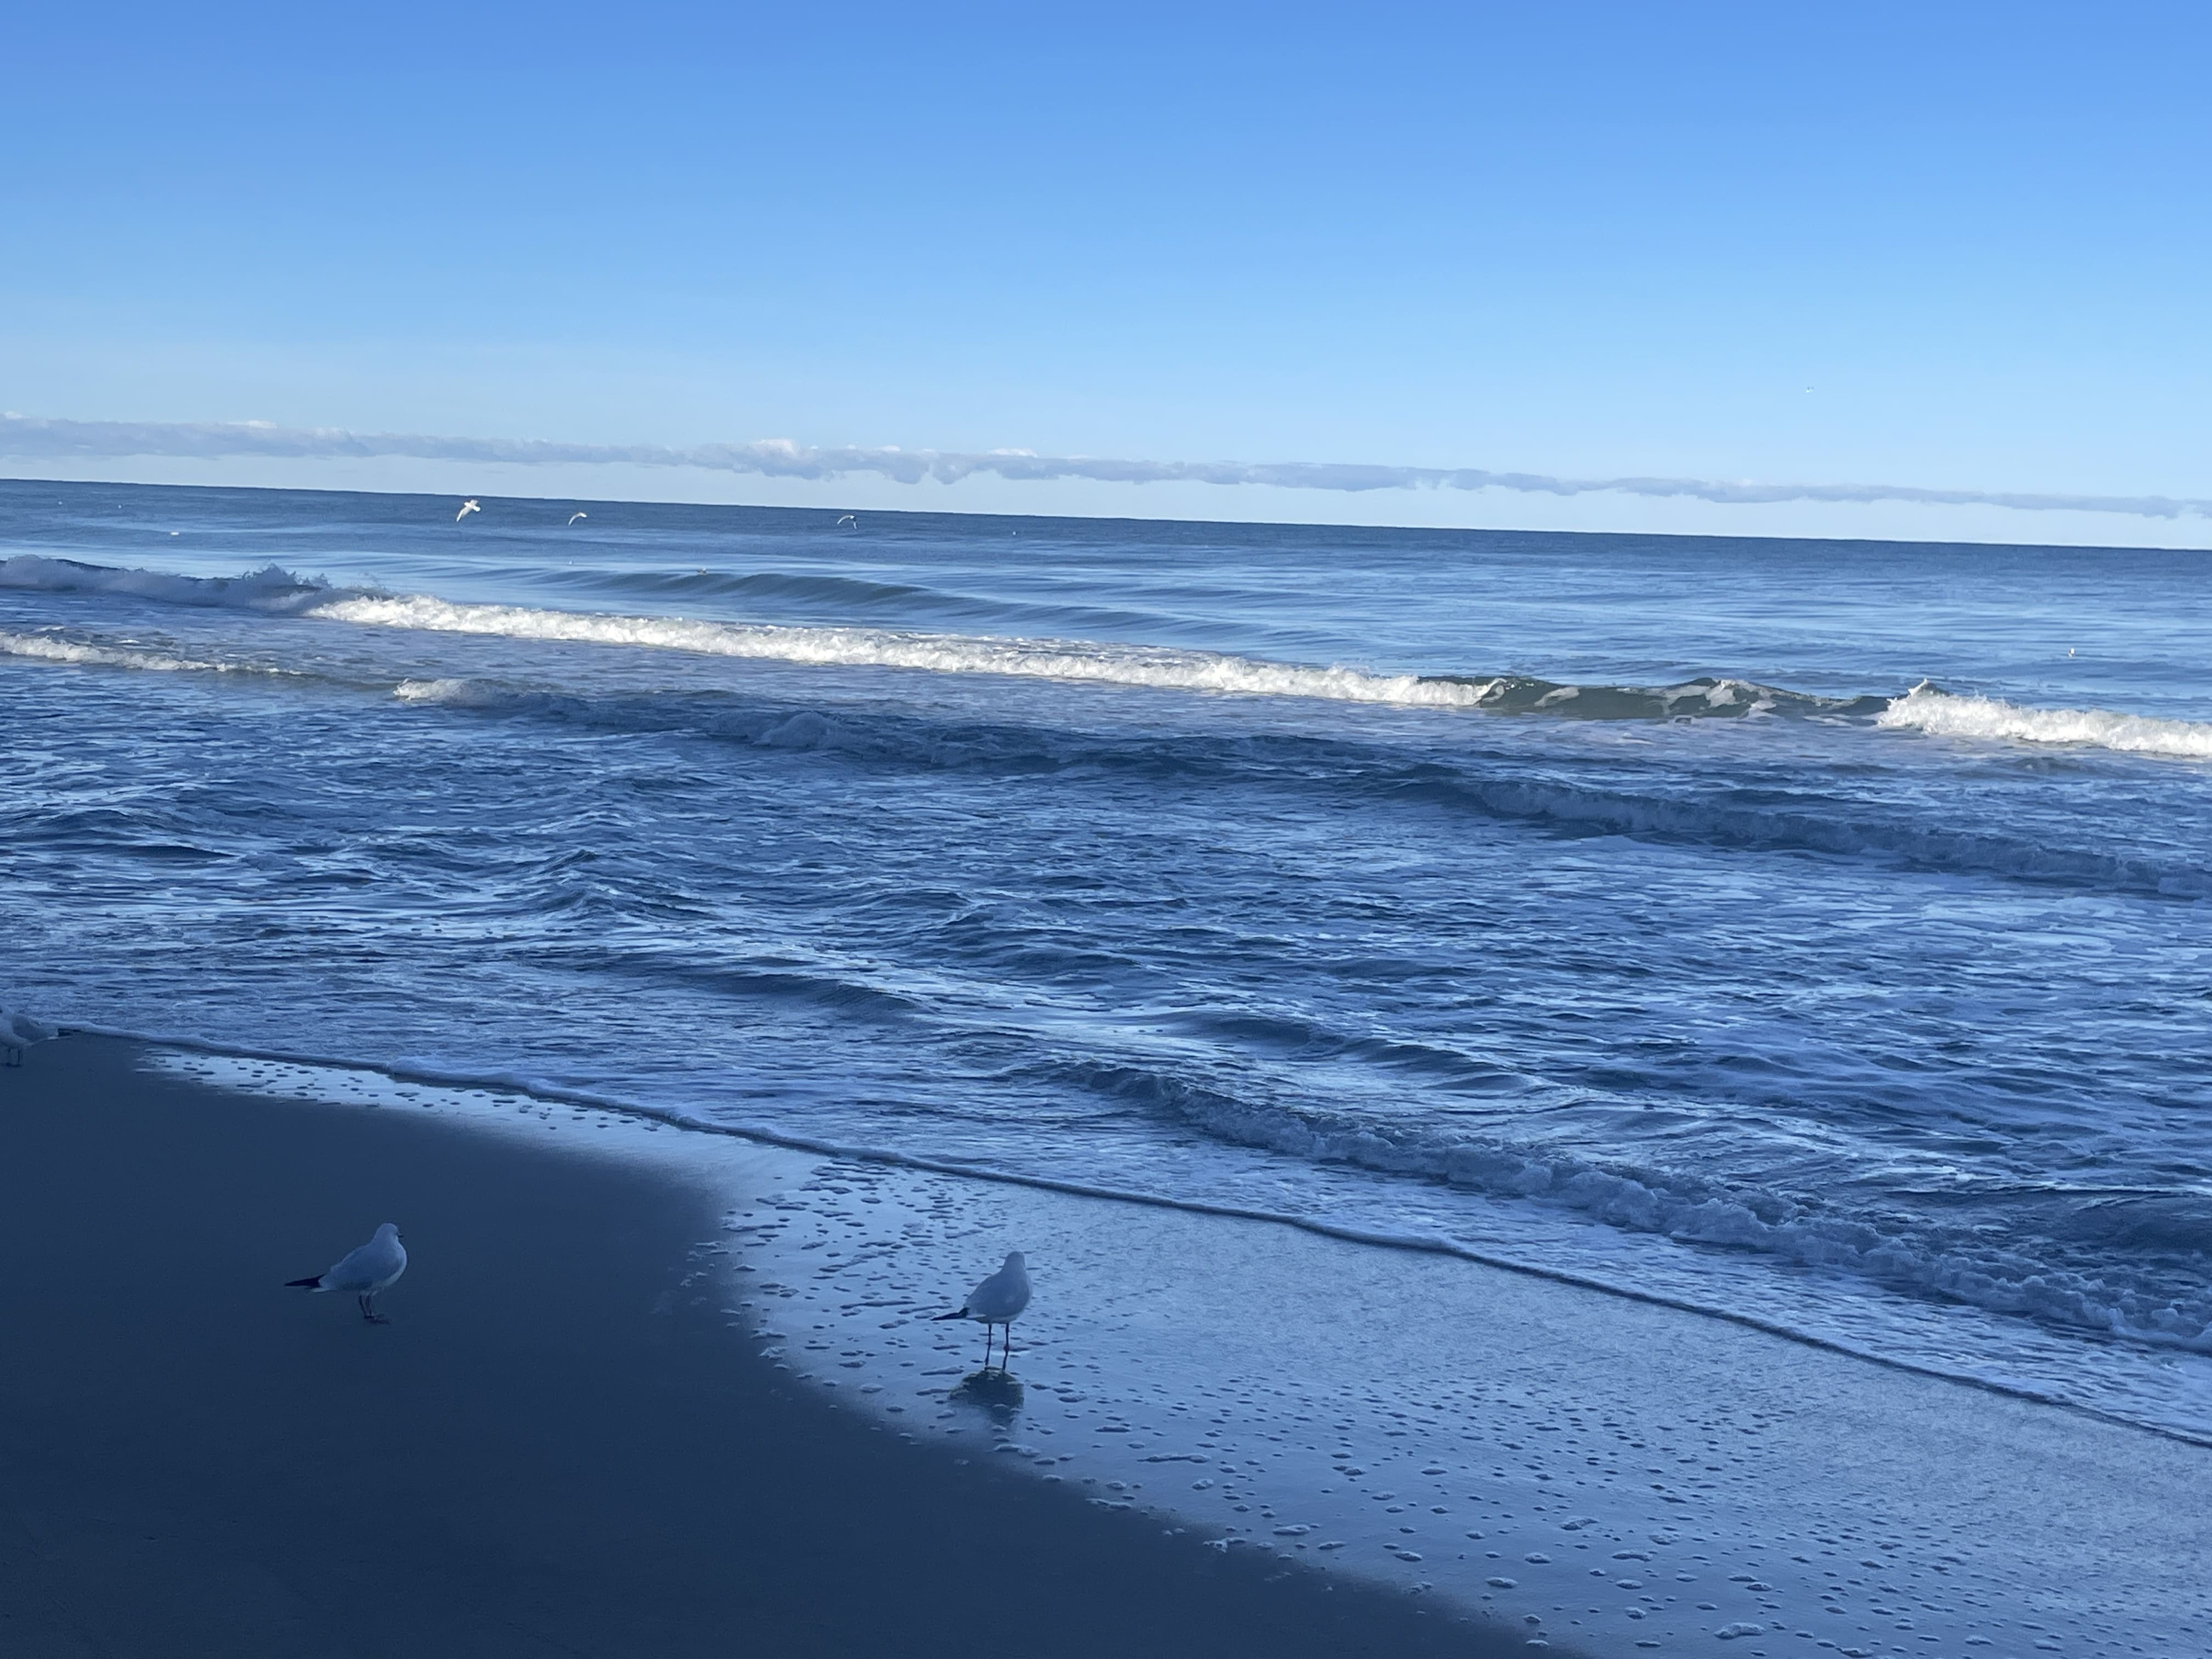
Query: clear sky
x=1955, y=247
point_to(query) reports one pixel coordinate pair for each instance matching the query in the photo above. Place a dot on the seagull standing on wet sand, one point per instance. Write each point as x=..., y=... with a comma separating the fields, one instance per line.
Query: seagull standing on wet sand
x=467, y=508
x=364, y=1272
x=998, y=1300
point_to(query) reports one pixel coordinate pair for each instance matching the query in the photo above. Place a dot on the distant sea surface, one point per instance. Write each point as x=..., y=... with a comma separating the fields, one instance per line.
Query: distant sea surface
x=1813, y=932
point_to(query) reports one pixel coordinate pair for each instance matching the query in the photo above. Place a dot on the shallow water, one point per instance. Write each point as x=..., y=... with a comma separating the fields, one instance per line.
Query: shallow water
x=1795, y=930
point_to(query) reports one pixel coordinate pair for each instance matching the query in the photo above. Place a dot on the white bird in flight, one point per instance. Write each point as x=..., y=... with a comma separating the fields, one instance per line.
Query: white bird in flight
x=364, y=1272
x=850, y=520
x=467, y=508
x=573, y=517
x=998, y=1300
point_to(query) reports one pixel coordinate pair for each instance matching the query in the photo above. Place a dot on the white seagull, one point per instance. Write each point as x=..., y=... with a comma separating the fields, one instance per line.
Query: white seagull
x=365, y=1271
x=467, y=508
x=573, y=517
x=850, y=520
x=998, y=1300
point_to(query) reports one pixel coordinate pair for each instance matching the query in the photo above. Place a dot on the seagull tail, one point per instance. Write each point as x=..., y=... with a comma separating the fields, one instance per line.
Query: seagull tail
x=957, y=1313
x=314, y=1284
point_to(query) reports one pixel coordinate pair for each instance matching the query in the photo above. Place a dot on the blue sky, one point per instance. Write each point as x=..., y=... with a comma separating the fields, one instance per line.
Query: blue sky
x=1959, y=247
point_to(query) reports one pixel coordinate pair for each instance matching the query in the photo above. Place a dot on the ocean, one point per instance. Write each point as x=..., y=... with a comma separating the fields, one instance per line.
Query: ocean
x=1646, y=977
x=1809, y=933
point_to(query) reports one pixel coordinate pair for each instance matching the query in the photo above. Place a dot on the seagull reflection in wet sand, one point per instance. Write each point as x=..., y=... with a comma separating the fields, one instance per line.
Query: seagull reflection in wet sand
x=997, y=1392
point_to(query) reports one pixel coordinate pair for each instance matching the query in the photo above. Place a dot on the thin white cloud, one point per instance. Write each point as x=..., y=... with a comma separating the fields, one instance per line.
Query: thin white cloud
x=30, y=437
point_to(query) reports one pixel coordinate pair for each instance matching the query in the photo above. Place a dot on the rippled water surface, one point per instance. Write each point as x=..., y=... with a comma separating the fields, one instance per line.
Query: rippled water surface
x=1811, y=931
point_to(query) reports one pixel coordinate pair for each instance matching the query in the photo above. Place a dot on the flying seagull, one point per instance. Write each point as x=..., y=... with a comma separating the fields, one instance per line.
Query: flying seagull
x=467, y=508
x=998, y=1300
x=573, y=517
x=850, y=520
x=365, y=1271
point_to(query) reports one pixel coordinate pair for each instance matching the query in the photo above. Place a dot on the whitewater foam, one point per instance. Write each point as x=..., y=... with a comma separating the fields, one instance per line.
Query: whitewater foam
x=1157, y=666
x=1929, y=707
x=50, y=648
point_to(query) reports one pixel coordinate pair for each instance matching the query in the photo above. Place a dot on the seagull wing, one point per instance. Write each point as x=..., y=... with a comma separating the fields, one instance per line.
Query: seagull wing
x=373, y=1266
x=1000, y=1297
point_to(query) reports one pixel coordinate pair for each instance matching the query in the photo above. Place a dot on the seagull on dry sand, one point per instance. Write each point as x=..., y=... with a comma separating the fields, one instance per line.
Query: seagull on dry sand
x=467, y=508
x=364, y=1272
x=998, y=1300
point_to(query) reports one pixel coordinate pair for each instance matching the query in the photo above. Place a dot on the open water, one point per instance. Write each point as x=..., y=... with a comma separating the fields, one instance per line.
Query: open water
x=1810, y=932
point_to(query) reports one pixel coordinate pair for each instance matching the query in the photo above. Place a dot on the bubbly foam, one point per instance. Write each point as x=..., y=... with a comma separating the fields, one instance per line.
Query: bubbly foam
x=1929, y=707
x=49, y=647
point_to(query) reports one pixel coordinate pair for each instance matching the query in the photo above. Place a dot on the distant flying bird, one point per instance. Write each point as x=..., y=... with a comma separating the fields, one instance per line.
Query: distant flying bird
x=998, y=1300
x=467, y=508
x=364, y=1272
x=573, y=517
x=850, y=520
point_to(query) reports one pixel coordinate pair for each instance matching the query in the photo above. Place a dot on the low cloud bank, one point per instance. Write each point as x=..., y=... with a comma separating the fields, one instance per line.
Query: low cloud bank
x=29, y=436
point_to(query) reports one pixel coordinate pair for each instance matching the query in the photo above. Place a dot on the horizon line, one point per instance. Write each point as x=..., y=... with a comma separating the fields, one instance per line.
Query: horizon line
x=33, y=437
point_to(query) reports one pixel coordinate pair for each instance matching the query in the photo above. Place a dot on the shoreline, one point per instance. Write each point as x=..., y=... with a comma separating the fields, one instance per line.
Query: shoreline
x=764, y=1136
x=562, y=1445
x=1347, y=1411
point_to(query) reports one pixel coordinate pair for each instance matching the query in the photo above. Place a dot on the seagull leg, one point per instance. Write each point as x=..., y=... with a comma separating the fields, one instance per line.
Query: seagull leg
x=368, y=1309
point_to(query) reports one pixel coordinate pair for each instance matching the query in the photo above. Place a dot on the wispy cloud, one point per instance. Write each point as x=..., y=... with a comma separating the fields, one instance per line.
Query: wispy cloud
x=29, y=436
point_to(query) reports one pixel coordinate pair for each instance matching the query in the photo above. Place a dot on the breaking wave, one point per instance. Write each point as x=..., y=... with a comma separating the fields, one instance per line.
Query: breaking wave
x=270, y=588
x=58, y=648
x=1928, y=707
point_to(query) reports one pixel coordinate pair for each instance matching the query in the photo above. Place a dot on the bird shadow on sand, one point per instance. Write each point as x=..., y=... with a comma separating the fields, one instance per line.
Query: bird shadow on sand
x=990, y=1390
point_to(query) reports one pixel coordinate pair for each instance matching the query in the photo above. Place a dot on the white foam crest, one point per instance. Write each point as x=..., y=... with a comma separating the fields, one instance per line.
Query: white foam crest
x=49, y=648
x=1059, y=659
x=1930, y=708
x=432, y=690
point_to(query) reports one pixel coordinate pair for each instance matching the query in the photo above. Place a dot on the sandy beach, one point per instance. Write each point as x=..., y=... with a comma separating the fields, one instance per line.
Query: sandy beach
x=556, y=1448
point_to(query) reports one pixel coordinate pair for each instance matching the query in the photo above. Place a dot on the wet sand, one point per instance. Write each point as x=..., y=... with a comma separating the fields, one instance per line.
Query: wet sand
x=561, y=1445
